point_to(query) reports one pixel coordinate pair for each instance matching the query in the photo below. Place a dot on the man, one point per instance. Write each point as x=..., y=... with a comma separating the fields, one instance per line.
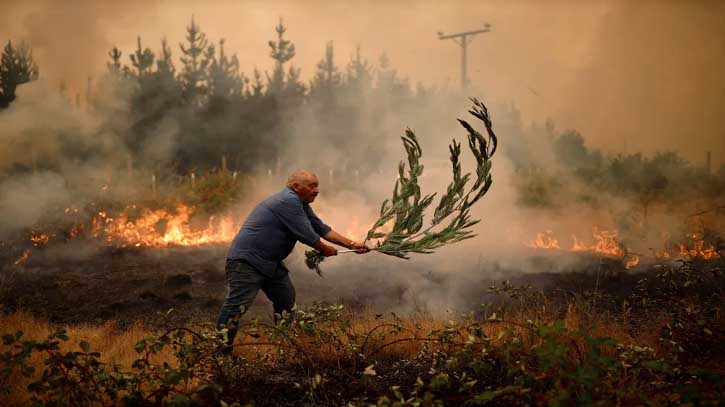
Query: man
x=267, y=237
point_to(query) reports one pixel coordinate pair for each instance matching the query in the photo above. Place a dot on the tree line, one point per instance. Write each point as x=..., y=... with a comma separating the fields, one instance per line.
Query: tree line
x=211, y=109
x=197, y=95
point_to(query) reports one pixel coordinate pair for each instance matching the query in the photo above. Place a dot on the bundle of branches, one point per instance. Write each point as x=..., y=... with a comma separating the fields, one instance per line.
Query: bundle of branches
x=451, y=220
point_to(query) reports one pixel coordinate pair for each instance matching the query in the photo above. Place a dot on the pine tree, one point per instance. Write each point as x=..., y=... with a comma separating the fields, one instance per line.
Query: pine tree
x=114, y=67
x=155, y=94
x=395, y=91
x=16, y=67
x=388, y=79
x=225, y=81
x=282, y=52
x=359, y=72
x=165, y=65
x=142, y=59
x=257, y=88
x=327, y=76
x=294, y=89
x=193, y=74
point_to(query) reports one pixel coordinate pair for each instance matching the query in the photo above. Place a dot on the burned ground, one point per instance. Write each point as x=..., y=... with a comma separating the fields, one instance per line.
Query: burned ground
x=72, y=283
x=333, y=355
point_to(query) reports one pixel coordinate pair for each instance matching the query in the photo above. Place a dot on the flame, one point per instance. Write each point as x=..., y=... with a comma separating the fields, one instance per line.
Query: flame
x=162, y=228
x=544, y=240
x=632, y=262
x=22, y=259
x=694, y=246
x=605, y=242
x=40, y=240
x=132, y=227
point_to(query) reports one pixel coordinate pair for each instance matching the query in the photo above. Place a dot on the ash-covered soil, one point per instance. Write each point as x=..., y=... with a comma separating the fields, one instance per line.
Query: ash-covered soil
x=126, y=285
x=78, y=283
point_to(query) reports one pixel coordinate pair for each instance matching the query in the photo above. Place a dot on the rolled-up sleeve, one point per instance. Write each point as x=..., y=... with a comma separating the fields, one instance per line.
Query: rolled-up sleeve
x=293, y=215
x=320, y=227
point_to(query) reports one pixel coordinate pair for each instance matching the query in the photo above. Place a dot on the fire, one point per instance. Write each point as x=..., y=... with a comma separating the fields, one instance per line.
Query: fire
x=694, y=246
x=162, y=228
x=40, y=240
x=22, y=259
x=605, y=242
x=544, y=240
x=144, y=227
x=632, y=262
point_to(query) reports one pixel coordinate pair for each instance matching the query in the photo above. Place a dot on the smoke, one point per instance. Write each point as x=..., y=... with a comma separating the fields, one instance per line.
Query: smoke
x=455, y=277
x=652, y=80
x=70, y=40
x=24, y=200
x=44, y=139
x=618, y=72
x=56, y=155
x=640, y=76
x=35, y=126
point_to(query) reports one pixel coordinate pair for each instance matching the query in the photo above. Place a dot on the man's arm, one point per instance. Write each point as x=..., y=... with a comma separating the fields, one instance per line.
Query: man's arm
x=334, y=237
x=325, y=249
x=331, y=236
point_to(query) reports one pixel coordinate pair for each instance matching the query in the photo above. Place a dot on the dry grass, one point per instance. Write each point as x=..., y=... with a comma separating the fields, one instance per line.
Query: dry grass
x=367, y=330
x=116, y=346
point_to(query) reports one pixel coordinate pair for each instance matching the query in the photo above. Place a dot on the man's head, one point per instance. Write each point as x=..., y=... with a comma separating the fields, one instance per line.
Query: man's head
x=305, y=184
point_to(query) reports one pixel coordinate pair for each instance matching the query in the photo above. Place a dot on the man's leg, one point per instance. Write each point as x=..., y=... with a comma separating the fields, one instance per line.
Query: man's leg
x=243, y=284
x=281, y=292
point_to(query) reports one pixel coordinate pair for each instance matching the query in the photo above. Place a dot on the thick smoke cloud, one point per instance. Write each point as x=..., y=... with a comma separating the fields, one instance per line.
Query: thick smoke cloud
x=645, y=75
x=70, y=40
x=653, y=80
x=25, y=200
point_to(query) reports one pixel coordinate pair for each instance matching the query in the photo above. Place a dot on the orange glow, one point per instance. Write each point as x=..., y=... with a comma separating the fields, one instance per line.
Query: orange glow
x=40, y=240
x=162, y=228
x=694, y=246
x=544, y=240
x=132, y=227
x=604, y=242
x=22, y=259
x=632, y=262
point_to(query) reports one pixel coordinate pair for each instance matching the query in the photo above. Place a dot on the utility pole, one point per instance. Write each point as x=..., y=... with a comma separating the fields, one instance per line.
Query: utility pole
x=463, y=40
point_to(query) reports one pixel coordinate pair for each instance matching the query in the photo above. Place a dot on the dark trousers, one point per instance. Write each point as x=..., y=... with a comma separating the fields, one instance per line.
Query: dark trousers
x=243, y=284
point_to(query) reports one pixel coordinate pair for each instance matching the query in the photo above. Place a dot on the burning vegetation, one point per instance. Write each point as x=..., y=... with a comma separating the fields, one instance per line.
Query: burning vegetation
x=149, y=173
x=144, y=227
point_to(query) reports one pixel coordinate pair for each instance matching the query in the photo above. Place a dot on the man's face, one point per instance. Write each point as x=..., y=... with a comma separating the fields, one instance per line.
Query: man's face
x=308, y=189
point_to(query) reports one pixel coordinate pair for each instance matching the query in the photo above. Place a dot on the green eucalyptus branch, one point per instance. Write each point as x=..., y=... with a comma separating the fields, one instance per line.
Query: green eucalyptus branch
x=451, y=220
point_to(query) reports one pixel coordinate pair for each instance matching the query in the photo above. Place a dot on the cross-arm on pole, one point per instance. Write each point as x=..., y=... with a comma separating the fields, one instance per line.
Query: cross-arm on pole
x=463, y=39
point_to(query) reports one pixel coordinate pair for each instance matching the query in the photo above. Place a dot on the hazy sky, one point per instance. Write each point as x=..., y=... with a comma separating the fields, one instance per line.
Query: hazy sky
x=640, y=75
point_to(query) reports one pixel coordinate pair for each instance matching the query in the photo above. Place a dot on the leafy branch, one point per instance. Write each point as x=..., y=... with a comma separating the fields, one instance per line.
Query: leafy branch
x=408, y=205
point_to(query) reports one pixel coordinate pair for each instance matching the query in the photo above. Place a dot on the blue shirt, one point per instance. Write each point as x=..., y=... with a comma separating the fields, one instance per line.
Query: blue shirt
x=270, y=232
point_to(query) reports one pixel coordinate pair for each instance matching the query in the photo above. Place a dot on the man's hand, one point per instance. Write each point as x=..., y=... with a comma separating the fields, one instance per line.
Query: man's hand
x=325, y=249
x=341, y=240
x=328, y=250
x=359, y=248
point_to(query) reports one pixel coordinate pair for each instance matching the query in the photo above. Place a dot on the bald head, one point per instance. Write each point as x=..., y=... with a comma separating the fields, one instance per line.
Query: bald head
x=299, y=177
x=305, y=184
